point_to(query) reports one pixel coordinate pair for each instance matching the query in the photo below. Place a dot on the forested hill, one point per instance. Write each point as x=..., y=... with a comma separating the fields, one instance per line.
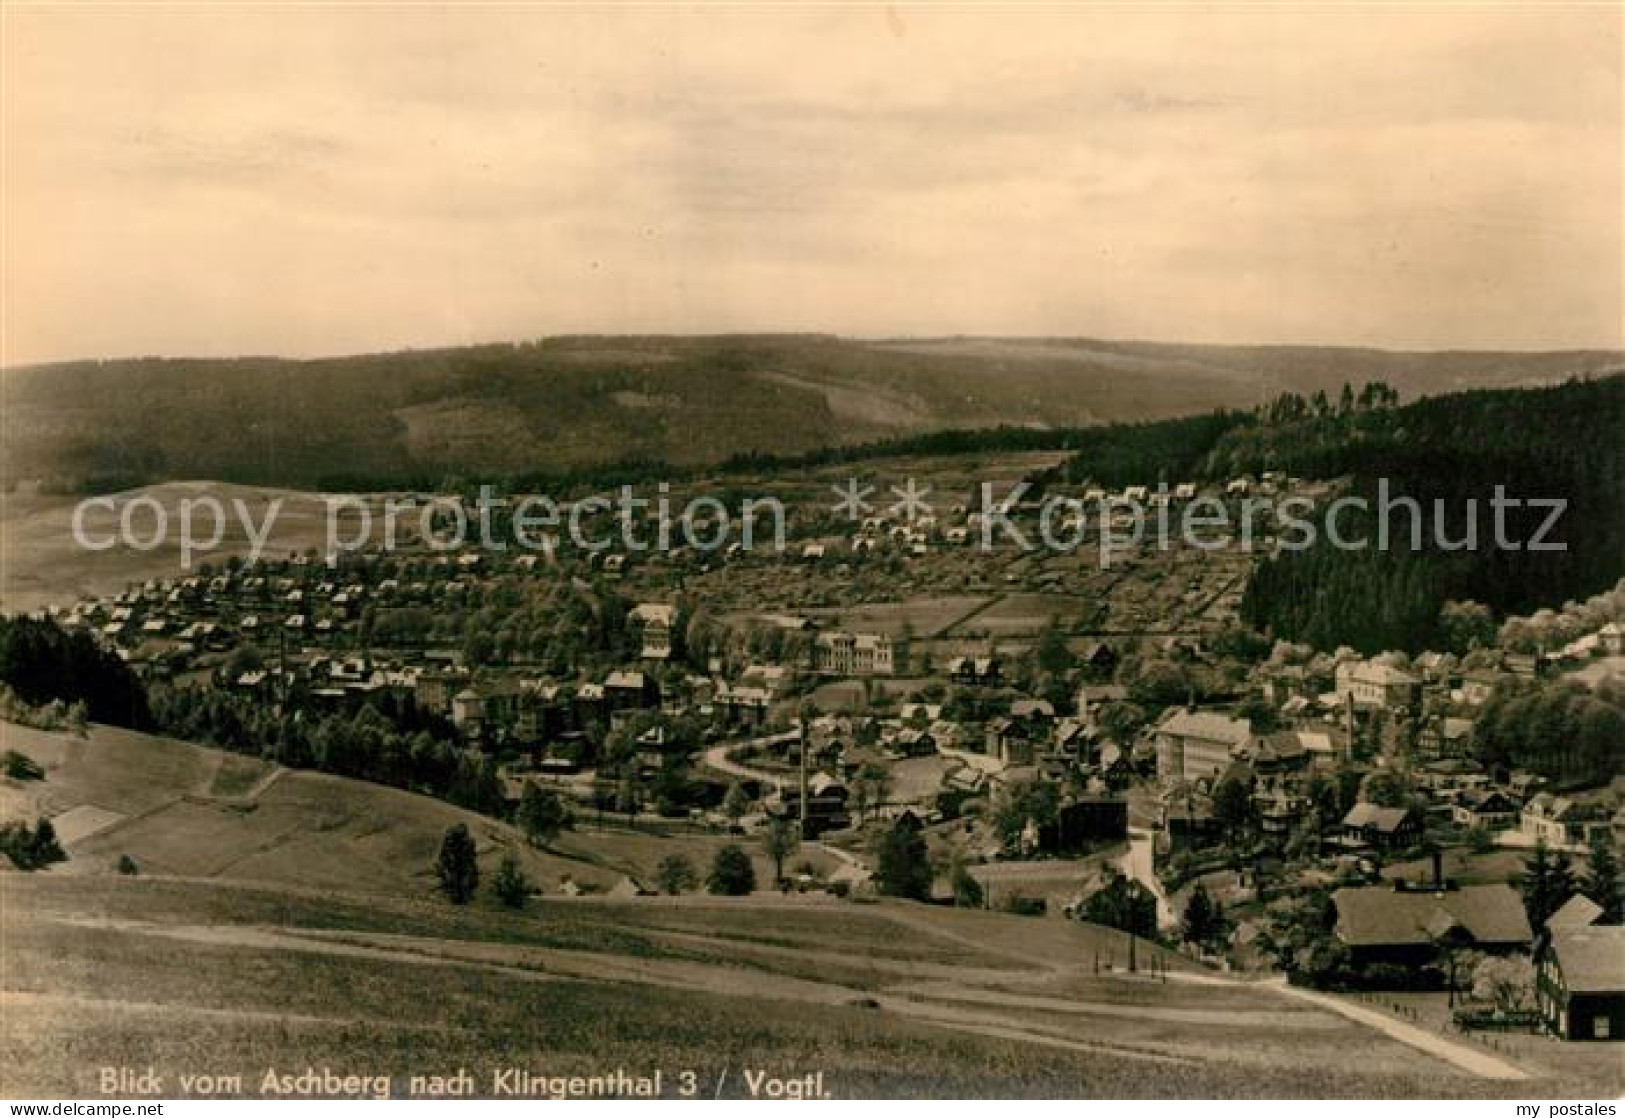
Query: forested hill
x=1448, y=452
x=574, y=403
x=42, y=663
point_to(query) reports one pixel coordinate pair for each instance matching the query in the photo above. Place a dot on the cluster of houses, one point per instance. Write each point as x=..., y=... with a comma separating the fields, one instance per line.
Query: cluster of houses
x=294, y=604
x=1368, y=716
x=1319, y=730
x=1579, y=962
x=1359, y=712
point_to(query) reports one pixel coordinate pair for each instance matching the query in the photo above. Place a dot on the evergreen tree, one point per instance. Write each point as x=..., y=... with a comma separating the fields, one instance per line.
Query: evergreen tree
x=735, y=803
x=1547, y=884
x=45, y=847
x=903, y=865
x=1602, y=882
x=1446, y=454
x=43, y=662
x=1198, y=925
x=732, y=875
x=1051, y=653
x=457, y=867
x=1233, y=807
x=1124, y=904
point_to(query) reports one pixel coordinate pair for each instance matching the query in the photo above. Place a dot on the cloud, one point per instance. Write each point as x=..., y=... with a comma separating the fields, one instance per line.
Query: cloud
x=1412, y=177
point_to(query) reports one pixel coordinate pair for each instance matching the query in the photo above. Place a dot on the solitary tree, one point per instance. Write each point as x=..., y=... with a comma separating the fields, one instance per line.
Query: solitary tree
x=457, y=867
x=20, y=766
x=1509, y=983
x=1125, y=904
x=1547, y=884
x=1199, y=924
x=510, y=884
x=1464, y=626
x=1298, y=938
x=1387, y=788
x=1233, y=807
x=1022, y=805
x=676, y=874
x=735, y=803
x=903, y=864
x=1602, y=882
x=45, y=847
x=542, y=814
x=779, y=841
x=732, y=875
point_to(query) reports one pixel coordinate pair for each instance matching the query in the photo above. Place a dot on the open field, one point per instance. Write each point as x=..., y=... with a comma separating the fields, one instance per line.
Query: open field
x=1463, y=866
x=178, y=808
x=1545, y=1057
x=285, y=919
x=1026, y=614
x=923, y=616
x=45, y=565
x=189, y=976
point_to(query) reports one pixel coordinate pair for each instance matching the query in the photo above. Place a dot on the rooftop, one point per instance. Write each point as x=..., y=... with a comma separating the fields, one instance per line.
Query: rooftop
x=1206, y=725
x=1592, y=959
x=1378, y=915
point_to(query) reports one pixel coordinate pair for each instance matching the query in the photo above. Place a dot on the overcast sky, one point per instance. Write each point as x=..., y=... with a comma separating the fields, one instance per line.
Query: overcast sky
x=182, y=181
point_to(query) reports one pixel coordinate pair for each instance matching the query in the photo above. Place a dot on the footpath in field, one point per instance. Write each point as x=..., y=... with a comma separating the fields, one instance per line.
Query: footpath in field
x=1467, y=1059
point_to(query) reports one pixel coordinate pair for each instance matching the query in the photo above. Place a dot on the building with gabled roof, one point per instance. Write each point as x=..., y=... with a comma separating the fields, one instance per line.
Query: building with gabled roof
x=1408, y=926
x=1580, y=982
x=1371, y=683
x=1195, y=744
x=1579, y=911
x=1387, y=828
x=1563, y=822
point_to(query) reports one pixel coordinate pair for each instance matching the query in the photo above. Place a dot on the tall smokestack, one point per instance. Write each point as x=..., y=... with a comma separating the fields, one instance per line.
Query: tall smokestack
x=1438, y=869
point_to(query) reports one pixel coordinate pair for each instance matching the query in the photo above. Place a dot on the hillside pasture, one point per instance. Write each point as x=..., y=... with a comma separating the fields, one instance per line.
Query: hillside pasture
x=193, y=976
x=295, y=923
x=187, y=810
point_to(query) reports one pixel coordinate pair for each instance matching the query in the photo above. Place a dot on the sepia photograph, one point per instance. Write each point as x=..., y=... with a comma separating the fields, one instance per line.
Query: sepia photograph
x=812, y=551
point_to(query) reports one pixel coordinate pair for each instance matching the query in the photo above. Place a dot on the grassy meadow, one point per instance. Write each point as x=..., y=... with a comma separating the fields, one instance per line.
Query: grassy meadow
x=285, y=919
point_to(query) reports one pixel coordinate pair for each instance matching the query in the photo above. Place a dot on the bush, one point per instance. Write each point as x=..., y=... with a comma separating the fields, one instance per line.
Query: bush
x=1018, y=905
x=732, y=875
x=31, y=848
x=126, y=866
x=20, y=766
x=676, y=874
x=510, y=884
